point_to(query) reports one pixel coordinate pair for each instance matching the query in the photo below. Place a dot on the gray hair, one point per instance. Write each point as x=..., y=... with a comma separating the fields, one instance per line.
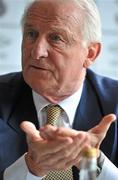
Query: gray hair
x=91, y=28
x=88, y=17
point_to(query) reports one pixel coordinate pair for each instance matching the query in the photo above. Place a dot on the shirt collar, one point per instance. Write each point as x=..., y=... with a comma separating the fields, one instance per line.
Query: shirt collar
x=69, y=105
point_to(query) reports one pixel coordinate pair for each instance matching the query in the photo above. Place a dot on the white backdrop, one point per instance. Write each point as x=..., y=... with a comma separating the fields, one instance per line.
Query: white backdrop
x=10, y=36
x=107, y=63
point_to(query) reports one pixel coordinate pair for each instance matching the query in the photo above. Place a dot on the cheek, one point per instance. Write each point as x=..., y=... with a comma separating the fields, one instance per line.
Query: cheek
x=26, y=51
x=62, y=63
x=26, y=58
x=73, y=67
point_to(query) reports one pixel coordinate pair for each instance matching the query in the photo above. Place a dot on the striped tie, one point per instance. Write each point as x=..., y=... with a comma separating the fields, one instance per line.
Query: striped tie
x=53, y=113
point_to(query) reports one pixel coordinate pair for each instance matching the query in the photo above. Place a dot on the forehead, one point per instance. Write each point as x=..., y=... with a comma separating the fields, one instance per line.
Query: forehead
x=49, y=11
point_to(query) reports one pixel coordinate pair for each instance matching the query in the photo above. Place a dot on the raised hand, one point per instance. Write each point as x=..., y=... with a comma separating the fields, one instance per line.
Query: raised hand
x=59, y=148
x=92, y=138
x=44, y=154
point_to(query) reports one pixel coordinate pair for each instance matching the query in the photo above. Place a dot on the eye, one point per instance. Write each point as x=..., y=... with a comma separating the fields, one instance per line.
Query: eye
x=55, y=37
x=31, y=34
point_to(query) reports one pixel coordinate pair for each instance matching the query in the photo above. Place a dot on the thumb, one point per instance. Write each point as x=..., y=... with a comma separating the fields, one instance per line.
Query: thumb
x=30, y=130
x=101, y=129
x=105, y=123
x=99, y=132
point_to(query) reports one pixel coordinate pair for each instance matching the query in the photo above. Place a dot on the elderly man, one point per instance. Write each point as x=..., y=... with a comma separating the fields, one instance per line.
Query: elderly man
x=61, y=39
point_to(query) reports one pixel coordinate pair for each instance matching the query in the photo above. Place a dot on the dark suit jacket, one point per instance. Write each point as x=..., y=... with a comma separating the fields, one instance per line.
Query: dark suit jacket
x=99, y=97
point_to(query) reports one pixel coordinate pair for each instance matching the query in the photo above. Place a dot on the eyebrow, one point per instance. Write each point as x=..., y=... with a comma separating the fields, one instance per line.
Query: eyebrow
x=28, y=25
x=56, y=29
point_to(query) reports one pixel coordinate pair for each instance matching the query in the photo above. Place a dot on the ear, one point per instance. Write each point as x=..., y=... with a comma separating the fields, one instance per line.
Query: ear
x=93, y=51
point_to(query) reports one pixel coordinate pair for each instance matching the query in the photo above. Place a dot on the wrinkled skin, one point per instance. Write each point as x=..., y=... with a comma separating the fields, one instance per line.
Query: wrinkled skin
x=59, y=148
x=54, y=56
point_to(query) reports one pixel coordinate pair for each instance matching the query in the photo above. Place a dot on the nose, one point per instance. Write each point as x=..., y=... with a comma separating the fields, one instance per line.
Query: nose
x=40, y=49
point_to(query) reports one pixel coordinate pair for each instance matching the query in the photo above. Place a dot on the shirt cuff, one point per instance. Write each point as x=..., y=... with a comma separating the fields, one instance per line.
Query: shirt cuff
x=109, y=171
x=19, y=170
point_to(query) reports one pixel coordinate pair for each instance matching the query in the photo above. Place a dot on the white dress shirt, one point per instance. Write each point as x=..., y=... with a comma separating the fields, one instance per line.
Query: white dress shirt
x=19, y=169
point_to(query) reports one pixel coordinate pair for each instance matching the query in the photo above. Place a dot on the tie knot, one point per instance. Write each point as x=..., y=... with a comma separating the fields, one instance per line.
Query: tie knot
x=53, y=113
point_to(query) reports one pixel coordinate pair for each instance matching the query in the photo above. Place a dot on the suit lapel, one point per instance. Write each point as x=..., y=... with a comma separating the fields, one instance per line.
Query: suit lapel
x=23, y=109
x=89, y=113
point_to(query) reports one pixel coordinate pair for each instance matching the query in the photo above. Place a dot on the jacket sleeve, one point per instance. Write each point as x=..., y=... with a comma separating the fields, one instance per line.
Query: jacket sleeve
x=1, y=175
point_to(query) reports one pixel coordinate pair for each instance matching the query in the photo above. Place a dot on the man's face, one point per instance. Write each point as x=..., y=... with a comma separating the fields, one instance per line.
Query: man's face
x=52, y=51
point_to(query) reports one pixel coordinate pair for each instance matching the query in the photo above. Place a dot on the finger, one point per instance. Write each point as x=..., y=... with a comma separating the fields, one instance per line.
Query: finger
x=67, y=153
x=107, y=121
x=51, y=132
x=104, y=125
x=30, y=129
x=99, y=132
x=48, y=132
x=66, y=132
x=48, y=149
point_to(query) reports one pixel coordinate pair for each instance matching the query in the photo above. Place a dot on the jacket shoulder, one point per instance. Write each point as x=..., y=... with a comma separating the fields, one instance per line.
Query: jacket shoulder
x=106, y=90
x=12, y=88
x=10, y=85
x=104, y=84
x=10, y=78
